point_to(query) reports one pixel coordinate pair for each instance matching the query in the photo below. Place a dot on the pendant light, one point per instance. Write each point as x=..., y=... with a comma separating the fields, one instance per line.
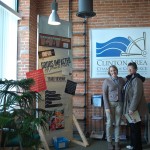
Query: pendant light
x=85, y=9
x=54, y=18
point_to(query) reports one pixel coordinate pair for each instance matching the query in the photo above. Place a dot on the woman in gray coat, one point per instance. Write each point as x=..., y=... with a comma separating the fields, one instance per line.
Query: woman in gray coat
x=134, y=100
x=113, y=103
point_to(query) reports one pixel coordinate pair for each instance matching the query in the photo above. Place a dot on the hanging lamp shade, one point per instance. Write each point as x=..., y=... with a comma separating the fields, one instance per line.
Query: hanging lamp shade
x=85, y=9
x=54, y=18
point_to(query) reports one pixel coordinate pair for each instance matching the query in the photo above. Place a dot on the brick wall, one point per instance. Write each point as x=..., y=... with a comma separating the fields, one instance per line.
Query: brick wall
x=27, y=40
x=32, y=35
x=23, y=38
x=115, y=14
x=109, y=14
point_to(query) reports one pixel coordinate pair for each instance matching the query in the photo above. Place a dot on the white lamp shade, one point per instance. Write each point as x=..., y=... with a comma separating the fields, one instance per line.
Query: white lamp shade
x=54, y=18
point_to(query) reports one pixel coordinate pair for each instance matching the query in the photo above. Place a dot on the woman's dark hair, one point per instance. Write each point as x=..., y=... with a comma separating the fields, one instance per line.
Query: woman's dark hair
x=133, y=64
x=112, y=66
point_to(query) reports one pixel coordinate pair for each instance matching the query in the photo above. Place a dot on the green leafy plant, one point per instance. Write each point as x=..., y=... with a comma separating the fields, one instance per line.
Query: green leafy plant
x=18, y=114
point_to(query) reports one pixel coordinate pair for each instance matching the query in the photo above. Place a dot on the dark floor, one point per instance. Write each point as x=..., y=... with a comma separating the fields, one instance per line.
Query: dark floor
x=95, y=144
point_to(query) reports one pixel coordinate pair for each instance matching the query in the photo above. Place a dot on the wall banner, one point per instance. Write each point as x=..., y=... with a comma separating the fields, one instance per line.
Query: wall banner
x=119, y=46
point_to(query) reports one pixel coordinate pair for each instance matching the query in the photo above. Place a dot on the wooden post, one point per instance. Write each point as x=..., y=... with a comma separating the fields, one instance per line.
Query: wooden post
x=85, y=142
x=46, y=147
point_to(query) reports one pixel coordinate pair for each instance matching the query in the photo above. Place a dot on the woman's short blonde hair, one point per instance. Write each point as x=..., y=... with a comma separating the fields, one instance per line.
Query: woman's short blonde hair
x=112, y=66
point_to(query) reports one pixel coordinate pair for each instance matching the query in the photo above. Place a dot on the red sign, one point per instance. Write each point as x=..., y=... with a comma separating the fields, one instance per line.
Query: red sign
x=39, y=79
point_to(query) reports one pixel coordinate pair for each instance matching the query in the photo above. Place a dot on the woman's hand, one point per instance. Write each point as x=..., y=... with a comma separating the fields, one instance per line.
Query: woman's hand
x=107, y=110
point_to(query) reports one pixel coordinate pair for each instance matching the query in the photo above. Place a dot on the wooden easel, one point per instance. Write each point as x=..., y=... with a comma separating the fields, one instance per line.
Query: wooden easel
x=85, y=142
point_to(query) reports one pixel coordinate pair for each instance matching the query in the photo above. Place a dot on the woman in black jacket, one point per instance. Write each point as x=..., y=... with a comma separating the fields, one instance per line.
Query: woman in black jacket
x=134, y=100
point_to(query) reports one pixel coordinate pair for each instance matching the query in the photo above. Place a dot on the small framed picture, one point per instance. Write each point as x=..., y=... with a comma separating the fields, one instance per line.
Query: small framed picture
x=96, y=100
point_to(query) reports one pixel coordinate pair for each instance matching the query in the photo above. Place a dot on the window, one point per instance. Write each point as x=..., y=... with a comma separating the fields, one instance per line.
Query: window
x=11, y=3
x=8, y=39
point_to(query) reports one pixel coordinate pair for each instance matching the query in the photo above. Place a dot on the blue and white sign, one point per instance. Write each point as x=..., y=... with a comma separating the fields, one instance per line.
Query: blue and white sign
x=119, y=46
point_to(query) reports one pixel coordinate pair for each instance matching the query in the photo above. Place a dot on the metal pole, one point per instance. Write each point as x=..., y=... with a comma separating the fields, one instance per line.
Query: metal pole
x=85, y=65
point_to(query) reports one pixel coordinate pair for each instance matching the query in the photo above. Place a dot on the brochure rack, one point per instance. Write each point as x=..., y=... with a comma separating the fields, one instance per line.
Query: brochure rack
x=97, y=117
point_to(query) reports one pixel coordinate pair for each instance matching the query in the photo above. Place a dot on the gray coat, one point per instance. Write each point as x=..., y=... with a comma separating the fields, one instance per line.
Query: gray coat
x=134, y=97
x=112, y=91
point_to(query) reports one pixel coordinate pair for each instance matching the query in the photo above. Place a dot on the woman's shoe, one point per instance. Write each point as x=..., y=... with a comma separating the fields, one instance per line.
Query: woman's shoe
x=129, y=147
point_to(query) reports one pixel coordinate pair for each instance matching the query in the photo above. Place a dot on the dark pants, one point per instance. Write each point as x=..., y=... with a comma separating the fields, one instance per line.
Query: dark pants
x=135, y=135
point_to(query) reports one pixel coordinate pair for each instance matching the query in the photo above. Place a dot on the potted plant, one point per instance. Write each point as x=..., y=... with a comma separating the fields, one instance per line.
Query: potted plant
x=18, y=114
